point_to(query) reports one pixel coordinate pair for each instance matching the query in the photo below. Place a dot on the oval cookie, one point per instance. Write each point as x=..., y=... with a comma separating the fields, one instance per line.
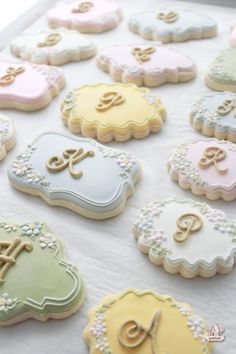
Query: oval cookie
x=85, y=16
x=27, y=86
x=107, y=111
x=53, y=47
x=76, y=173
x=215, y=115
x=186, y=237
x=143, y=322
x=172, y=25
x=36, y=280
x=7, y=136
x=221, y=74
x=207, y=167
x=146, y=65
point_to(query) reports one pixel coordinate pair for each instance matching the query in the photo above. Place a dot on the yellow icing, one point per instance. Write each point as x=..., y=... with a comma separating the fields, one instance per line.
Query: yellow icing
x=173, y=333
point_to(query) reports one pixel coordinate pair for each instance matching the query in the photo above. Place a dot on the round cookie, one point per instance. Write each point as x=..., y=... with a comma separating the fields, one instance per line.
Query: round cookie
x=214, y=115
x=36, y=280
x=146, y=65
x=53, y=47
x=76, y=173
x=27, y=86
x=143, y=322
x=233, y=36
x=206, y=167
x=172, y=25
x=112, y=111
x=221, y=74
x=186, y=237
x=7, y=136
x=85, y=16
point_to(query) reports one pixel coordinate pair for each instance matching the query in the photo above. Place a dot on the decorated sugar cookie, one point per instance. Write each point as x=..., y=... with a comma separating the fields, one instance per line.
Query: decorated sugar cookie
x=36, y=280
x=145, y=322
x=207, y=167
x=233, y=36
x=107, y=111
x=199, y=240
x=76, y=173
x=172, y=25
x=7, y=136
x=85, y=16
x=221, y=74
x=53, y=47
x=215, y=115
x=146, y=65
x=27, y=86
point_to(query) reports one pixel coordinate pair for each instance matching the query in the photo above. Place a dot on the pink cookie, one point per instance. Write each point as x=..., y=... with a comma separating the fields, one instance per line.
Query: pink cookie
x=27, y=86
x=207, y=167
x=146, y=65
x=85, y=16
x=233, y=36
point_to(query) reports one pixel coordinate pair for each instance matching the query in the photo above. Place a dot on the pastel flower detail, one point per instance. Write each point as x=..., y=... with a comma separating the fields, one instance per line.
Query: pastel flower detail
x=184, y=309
x=31, y=230
x=6, y=303
x=197, y=326
x=48, y=241
x=158, y=236
x=99, y=330
x=215, y=215
x=8, y=227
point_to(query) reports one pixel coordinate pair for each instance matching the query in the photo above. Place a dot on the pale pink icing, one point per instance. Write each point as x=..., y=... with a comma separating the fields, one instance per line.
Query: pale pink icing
x=163, y=58
x=29, y=86
x=62, y=11
x=210, y=174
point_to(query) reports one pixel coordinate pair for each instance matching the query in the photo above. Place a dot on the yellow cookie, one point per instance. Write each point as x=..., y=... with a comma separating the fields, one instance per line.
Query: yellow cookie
x=112, y=111
x=136, y=322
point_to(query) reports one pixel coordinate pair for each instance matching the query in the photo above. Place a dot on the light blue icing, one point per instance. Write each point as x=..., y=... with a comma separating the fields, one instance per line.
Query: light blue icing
x=205, y=111
x=103, y=185
x=187, y=22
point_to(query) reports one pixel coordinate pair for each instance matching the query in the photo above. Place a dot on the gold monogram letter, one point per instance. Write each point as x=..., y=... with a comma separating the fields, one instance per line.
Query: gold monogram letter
x=168, y=17
x=84, y=6
x=187, y=224
x=11, y=75
x=143, y=55
x=226, y=107
x=70, y=158
x=212, y=156
x=12, y=250
x=50, y=40
x=131, y=334
x=108, y=100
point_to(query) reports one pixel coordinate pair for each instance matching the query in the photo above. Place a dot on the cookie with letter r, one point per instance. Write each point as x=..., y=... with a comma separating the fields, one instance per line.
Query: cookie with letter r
x=221, y=75
x=138, y=322
x=146, y=65
x=214, y=115
x=27, y=86
x=94, y=16
x=186, y=237
x=107, y=112
x=53, y=47
x=76, y=173
x=172, y=25
x=36, y=279
x=206, y=167
x=7, y=136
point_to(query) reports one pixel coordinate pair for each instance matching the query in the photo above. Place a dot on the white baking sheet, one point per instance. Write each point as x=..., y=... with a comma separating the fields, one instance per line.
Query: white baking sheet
x=106, y=251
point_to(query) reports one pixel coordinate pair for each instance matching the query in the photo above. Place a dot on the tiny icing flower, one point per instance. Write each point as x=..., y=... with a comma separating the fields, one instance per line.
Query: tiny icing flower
x=197, y=326
x=48, y=240
x=158, y=236
x=20, y=168
x=6, y=303
x=31, y=230
x=126, y=162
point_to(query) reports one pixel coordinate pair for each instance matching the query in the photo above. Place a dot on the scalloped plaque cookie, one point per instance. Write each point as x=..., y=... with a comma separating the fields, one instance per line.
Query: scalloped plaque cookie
x=85, y=16
x=206, y=167
x=107, y=111
x=221, y=74
x=53, y=47
x=76, y=173
x=27, y=86
x=199, y=240
x=146, y=65
x=144, y=322
x=27, y=288
x=7, y=136
x=215, y=115
x=172, y=25
x=233, y=36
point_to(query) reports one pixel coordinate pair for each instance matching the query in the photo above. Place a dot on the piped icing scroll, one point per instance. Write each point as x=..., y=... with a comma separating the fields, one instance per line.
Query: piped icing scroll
x=168, y=16
x=83, y=7
x=188, y=224
x=213, y=156
x=10, y=75
x=108, y=100
x=50, y=40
